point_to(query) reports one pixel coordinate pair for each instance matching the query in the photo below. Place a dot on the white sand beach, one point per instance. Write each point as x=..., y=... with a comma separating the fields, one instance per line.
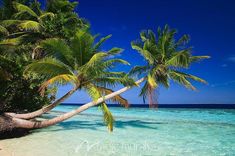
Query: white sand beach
x=3, y=151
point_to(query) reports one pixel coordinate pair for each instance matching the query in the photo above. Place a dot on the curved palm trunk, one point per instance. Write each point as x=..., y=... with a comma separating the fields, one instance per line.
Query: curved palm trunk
x=44, y=109
x=20, y=123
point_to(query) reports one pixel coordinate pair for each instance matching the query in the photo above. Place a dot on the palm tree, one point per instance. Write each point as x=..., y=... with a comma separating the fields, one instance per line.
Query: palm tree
x=165, y=57
x=81, y=64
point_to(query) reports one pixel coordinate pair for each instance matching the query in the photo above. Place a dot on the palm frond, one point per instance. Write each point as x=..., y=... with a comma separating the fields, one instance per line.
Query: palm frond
x=114, y=51
x=81, y=46
x=48, y=67
x=12, y=41
x=94, y=60
x=112, y=62
x=189, y=76
x=59, y=49
x=148, y=35
x=137, y=70
x=144, y=36
x=95, y=93
x=145, y=53
x=22, y=15
x=102, y=69
x=108, y=117
x=30, y=26
x=181, y=79
x=152, y=81
x=198, y=58
x=119, y=99
x=180, y=59
x=114, y=74
x=3, y=31
x=23, y=8
x=113, y=81
x=62, y=79
x=152, y=36
x=183, y=40
x=100, y=42
x=45, y=15
x=7, y=23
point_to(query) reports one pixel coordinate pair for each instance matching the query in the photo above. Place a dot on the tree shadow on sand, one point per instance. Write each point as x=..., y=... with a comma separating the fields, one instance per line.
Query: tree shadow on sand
x=96, y=124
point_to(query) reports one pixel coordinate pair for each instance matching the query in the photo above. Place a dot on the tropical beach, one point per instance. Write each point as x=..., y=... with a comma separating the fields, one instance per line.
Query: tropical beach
x=3, y=151
x=76, y=83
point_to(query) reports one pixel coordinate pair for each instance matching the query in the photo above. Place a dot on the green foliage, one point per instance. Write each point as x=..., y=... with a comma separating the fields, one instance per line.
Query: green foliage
x=3, y=31
x=33, y=25
x=17, y=93
x=23, y=27
x=61, y=6
x=96, y=93
x=20, y=8
x=166, y=58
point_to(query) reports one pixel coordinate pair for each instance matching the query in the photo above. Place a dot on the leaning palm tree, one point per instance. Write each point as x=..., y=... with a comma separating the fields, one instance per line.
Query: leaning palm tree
x=165, y=58
x=81, y=64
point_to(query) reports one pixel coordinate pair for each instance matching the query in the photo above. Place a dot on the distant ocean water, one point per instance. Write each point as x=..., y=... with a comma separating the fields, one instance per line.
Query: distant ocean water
x=205, y=106
x=137, y=132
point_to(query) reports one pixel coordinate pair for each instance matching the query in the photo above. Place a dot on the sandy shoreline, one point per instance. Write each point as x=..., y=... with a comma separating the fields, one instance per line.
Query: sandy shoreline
x=3, y=151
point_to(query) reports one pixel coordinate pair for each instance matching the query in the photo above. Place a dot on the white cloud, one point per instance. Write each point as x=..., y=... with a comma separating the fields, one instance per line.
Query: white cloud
x=224, y=65
x=232, y=58
x=223, y=84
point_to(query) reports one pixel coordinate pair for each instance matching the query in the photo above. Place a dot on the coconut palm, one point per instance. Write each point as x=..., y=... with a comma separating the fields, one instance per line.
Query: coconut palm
x=165, y=58
x=81, y=64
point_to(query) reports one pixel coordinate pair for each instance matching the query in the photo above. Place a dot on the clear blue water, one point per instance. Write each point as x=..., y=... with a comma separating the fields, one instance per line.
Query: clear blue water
x=137, y=132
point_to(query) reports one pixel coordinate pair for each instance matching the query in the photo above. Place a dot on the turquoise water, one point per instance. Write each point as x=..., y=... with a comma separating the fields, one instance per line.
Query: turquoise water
x=137, y=132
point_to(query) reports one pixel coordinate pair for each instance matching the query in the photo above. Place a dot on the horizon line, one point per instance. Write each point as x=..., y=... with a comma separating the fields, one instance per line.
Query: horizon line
x=205, y=106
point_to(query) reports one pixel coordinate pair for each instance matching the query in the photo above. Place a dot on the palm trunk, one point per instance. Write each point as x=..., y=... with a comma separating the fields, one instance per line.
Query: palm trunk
x=20, y=123
x=43, y=110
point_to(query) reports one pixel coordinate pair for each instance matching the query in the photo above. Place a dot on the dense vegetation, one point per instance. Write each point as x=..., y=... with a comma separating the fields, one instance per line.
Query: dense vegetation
x=22, y=28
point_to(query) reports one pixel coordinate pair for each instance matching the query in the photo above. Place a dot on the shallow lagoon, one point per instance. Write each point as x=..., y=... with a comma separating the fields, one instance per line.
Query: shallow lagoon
x=137, y=131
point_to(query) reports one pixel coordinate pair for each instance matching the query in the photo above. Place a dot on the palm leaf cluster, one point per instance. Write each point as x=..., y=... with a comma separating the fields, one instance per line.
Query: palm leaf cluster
x=80, y=62
x=167, y=59
x=31, y=24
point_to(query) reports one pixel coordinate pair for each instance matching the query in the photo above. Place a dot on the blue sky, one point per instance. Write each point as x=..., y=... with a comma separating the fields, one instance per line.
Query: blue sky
x=210, y=23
